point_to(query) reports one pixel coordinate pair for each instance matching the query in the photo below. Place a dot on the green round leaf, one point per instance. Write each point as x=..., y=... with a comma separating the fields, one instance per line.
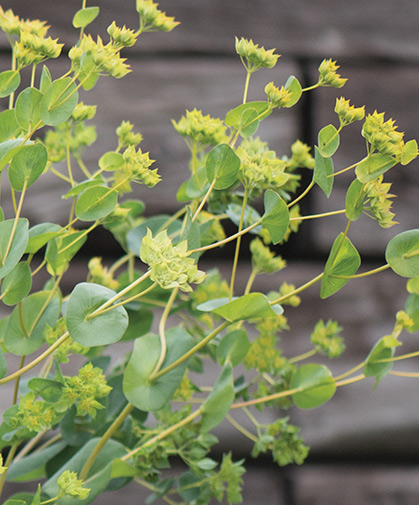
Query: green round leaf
x=233, y=347
x=84, y=17
x=82, y=186
x=276, y=217
x=154, y=395
x=13, y=242
x=409, y=152
x=48, y=389
x=9, y=127
x=96, y=203
x=219, y=401
x=323, y=171
x=316, y=386
x=41, y=234
x=61, y=250
x=45, y=80
x=103, y=329
x=329, y=140
x=9, y=82
x=111, y=161
x=17, y=284
x=354, y=202
x=234, y=117
x=27, y=322
x=402, y=253
x=58, y=102
x=223, y=165
x=343, y=261
x=294, y=87
x=28, y=108
x=27, y=165
x=9, y=148
x=249, y=123
x=250, y=306
x=382, y=350
x=373, y=166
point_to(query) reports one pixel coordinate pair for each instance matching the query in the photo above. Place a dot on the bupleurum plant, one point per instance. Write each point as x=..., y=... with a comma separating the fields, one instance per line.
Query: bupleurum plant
x=76, y=436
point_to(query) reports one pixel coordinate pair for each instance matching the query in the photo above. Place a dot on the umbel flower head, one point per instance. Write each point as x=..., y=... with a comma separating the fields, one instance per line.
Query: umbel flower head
x=328, y=75
x=382, y=135
x=170, y=265
x=254, y=57
x=348, y=113
x=200, y=129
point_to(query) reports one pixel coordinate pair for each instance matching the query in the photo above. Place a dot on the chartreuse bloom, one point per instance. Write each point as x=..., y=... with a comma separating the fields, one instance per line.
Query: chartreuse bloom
x=32, y=49
x=152, y=19
x=328, y=75
x=263, y=259
x=126, y=137
x=301, y=157
x=382, y=135
x=260, y=168
x=199, y=129
x=378, y=203
x=277, y=97
x=254, y=57
x=100, y=274
x=169, y=264
x=348, y=113
x=326, y=339
x=69, y=485
x=121, y=37
x=11, y=24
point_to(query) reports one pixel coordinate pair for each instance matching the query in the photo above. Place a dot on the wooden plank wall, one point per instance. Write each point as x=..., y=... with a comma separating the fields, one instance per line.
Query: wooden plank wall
x=377, y=46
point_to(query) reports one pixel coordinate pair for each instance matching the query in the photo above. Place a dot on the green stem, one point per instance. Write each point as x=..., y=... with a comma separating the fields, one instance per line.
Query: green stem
x=241, y=428
x=7, y=463
x=347, y=168
x=204, y=200
x=250, y=282
x=274, y=396
x=350, y=381
x=192, y=351
x=162, y=333
x=303, y=194
x=316, y=216
x=238, y=242
x=364, y=274
x=246, y=86
x=118, y=295
x=298, y=290
x=130, y=299
x=18, y=211
x=36, y=361
x=162, y=434
x=105, y=437
x=16, y=388
x=303, y=356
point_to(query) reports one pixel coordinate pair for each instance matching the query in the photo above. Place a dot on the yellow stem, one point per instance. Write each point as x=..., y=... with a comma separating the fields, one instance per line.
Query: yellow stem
x=238, y=242
x=303, y=356
x=298, y=290
x=241, y=428
x=204, y=200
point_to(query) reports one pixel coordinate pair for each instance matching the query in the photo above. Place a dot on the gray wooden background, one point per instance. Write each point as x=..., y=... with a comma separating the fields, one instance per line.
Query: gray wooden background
x=365, y=443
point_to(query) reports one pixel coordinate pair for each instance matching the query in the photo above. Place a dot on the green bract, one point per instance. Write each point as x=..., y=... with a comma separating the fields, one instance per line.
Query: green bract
x=194, y=349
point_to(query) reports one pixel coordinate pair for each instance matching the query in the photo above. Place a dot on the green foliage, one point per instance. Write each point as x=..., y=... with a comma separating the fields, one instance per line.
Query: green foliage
x=114, y=421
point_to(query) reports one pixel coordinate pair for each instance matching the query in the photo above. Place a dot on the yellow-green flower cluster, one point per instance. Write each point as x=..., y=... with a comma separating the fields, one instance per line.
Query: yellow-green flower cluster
x=200, y=129
x=169, y=264
x=382, y=135
x=69, y=485
x=301, y=157
x=95, y=58
x=278, y=97
x=66, y=348
x=326, y=339
x=264, y=356
x=78, y=137
x=255, y=57
x=126, y=137
x=137, y=165
x=84, y=390
x=83, y=112
x=284, y=290
x=329, y=76
x=32, y=49
x=153, y=19
x=100, y=274
x=379, y=203
x=260, y=168
x=11, y=24
x=121, y=37
x=348, y=113
x=264, y=260
x=35, y=415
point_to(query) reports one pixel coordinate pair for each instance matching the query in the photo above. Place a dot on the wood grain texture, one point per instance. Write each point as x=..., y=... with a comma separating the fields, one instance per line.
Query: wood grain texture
x=318, y=28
